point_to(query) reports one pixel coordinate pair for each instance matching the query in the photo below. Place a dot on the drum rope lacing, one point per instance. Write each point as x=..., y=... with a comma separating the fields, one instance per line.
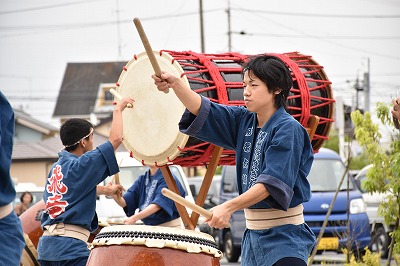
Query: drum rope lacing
x=208, y=66
x=303, y=69
x=219, y=78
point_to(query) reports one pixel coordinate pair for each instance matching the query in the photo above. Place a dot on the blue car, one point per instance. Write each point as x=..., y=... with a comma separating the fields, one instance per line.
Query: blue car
x=347, y=227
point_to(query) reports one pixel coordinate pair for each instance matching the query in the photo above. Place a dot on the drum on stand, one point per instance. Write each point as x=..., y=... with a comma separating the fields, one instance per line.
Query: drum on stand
x=31, y=225
x=30, y=220
x=137, y=245
x=151, y=133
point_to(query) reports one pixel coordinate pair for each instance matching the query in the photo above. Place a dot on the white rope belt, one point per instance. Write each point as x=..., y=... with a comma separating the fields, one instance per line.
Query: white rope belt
x=67, y=230
x=174, y=223
x=5, y=210
x=260, y=219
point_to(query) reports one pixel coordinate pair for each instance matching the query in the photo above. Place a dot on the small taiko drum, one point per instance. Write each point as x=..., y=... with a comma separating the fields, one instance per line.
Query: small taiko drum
x=137, y=245
x=30, y=220
x=31, y=225
x=151, y=130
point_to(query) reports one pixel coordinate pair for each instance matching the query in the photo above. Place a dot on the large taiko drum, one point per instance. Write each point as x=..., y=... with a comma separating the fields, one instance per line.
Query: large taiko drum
x=151, y=130
x=128, y=245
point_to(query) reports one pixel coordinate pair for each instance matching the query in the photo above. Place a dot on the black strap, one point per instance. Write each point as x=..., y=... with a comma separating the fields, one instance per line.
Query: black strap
x=33, y=258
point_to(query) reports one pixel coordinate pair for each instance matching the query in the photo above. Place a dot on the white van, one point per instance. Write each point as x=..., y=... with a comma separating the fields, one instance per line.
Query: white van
x=108, y=210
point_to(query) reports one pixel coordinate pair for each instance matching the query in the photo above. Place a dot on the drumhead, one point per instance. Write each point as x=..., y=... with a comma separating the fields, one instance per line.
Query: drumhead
x=151, y=129
x=157, y=237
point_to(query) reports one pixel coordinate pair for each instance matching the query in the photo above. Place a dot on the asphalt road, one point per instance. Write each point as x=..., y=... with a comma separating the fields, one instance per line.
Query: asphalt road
x=330, y=258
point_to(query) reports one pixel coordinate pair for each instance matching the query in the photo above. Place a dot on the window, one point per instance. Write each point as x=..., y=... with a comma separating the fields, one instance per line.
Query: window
x=128, y=175
x=105, y=99
x=326, y=174
x=229, y=184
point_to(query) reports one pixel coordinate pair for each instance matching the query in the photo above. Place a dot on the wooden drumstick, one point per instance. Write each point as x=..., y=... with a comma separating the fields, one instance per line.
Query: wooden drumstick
x=149, y=50
x=177, y=198
x=119, y=97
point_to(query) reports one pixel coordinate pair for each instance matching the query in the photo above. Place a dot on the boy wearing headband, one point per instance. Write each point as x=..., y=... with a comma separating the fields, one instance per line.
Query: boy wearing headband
x=70, y=190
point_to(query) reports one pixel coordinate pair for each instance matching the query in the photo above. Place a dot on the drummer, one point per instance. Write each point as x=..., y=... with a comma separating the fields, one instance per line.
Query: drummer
x=273, y=158
x=145, y=195
x=70, y=191
x=11, y=235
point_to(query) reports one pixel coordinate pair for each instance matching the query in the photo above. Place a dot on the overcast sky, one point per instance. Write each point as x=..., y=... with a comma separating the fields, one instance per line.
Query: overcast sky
x=38, y=38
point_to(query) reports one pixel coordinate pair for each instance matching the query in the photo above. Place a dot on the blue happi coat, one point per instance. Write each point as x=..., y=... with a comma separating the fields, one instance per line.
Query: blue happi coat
x=147, y=190
x=11, y=235
x=278, y=155
x=70, y=197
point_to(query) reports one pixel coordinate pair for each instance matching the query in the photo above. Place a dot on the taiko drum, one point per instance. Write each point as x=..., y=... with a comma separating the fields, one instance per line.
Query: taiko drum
x=151, y=130
x=128, y=245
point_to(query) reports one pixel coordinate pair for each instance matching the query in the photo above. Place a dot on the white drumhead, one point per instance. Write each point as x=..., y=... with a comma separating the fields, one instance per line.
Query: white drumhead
x=151, y=129
x=157, y=237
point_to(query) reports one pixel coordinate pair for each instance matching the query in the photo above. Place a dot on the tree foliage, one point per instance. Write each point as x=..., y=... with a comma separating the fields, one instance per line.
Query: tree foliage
x=384, y=175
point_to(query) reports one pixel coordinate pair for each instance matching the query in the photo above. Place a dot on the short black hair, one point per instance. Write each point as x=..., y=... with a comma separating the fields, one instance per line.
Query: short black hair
x=274, y=72
x=72, y=131
x=26, y=193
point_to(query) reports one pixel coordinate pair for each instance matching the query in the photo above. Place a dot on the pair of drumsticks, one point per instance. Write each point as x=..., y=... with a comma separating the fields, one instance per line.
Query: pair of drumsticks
x=166, y=192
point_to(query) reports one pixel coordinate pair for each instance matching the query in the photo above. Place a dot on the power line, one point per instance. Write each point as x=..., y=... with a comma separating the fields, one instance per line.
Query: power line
x=29, y=29
x=319, y=36
x=313, y=14
x=46, y=7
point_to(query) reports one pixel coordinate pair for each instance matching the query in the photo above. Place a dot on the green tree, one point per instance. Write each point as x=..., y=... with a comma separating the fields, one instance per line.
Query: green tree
x=333, y=141
x=356, y=163
x=384, y=175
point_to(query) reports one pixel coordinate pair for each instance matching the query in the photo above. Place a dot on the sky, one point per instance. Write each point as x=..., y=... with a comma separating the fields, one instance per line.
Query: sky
x=348, y=37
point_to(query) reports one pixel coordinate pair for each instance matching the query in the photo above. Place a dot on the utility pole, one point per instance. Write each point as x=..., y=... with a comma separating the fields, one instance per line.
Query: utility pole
x=339, y=123
x=358, y=88
x=228, y=11
x=366, y=87
x=118, y=32
x=201, y=26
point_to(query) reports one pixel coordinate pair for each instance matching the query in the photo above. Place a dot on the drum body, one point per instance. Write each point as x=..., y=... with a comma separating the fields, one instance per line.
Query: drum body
x=31, y=223
x=153, y=135
x=152, y=245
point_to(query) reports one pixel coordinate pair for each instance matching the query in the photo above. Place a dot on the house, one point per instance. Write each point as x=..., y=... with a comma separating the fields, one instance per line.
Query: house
x=28, y=129
x=30, y=158
x=85, y=92
x=32, y=161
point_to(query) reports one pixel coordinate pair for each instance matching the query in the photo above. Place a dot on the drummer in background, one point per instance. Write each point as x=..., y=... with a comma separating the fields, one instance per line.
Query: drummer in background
x=70, y=190
x=273, y=158
x=11, y=235
x=145, y=195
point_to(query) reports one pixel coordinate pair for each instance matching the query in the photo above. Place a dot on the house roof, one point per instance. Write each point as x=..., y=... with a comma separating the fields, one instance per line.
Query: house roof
x=80, y=86
x=28, y=121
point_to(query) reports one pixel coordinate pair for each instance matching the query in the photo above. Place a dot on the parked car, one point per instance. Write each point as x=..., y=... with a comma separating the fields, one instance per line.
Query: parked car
x=379, y=229
x=212, y=199
x=108, y=210
x=348, y=220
